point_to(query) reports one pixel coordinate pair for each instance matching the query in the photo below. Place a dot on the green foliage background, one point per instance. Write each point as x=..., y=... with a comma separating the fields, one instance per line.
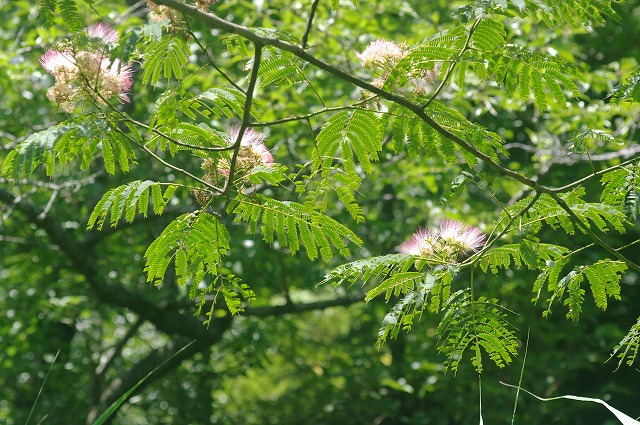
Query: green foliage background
x=299, y=352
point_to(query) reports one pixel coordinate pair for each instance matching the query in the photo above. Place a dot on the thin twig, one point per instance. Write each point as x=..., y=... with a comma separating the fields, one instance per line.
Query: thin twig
x=312, y=114
x=452, y=67
x=211, y=62
x=171, y=166
x=317, y=93
x=597, y=173
x=312, y=12
x=488, y=245
x=169, y=138
x=154, y=130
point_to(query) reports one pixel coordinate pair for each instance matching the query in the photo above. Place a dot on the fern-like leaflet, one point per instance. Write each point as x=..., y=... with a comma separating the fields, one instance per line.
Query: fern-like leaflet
x=546, y=210
x=68, y=11
x=417, y=138
x=70, y=15
x=533, y=254
x=349, y=132
x=65, y=142
x=293, y=226
x=233, y=291
x=279, y=68
x=488, y=35
x=627, y=348
x=127, y=200
x=197, y=241
x=37, y=149
x=369, y=270
x=345, y=137
x=529, y=73
x=177, y=136
x=403, y=314
x=341, y=183
x=552, y=12
x=272, y=175
x=620, y=191
x=420, y=292
x=165, y=57
x=629, y=90
x=391, y=275
x=580, y=140
x=335, y=4
x=479, y=326
x=227, y=102
x=604, y=280
x=484, y=140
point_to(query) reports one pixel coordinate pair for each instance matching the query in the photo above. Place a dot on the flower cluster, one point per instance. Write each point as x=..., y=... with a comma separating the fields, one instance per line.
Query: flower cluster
x=448, y=242
x=252, y=153
x=87, y=74
x=382, y=56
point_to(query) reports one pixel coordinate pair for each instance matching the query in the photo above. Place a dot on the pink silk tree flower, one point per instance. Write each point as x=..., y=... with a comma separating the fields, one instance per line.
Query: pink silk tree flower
x=381, y=53
x=252, y=152
x=460, y=236
x=88, y=74
x=104, y=32
x=421, y=243
x=448, y=242
x=427, y=79
x=254, y=141
x=56, y=63
x=115, y=79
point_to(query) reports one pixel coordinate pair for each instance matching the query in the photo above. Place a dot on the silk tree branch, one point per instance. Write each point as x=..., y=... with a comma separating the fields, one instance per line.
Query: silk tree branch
x=312, y=12
x=246, y=118
x=216, y=22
